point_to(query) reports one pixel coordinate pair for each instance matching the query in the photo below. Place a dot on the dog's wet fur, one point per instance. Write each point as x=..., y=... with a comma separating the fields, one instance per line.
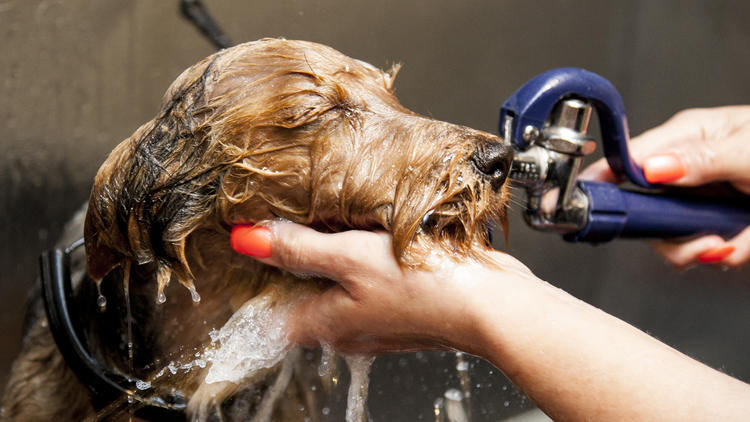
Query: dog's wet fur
x=272, y=129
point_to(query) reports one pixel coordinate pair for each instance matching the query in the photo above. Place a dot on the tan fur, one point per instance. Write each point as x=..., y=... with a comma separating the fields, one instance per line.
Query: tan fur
x=30, y=396
x=278, y=129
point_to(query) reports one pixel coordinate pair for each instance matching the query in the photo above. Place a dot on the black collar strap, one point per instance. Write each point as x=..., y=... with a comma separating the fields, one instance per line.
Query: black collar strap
x=106, y=386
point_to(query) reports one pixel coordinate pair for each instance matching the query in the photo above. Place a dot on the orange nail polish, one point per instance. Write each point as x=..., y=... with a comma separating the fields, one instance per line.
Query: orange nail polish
x=663, y=168
x=251, y=240
x=716, y=254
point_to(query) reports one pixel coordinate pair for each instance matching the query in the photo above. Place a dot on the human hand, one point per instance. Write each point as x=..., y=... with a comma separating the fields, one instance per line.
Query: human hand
x=377, y=305
x=695, y=147
x=557, y=349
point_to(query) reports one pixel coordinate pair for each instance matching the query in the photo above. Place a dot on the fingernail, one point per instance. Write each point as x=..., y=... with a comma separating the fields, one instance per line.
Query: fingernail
x=253, y=241
x=663, y=168
x=716, y=254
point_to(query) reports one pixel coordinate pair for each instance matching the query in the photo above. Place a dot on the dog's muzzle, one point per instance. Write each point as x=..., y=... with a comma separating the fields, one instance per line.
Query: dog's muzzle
x=493, y=160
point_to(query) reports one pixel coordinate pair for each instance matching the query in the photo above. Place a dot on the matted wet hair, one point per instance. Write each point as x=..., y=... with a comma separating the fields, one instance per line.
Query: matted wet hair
x=287, y=129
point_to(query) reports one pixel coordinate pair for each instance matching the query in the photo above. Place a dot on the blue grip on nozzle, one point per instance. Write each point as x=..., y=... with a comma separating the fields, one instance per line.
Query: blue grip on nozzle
x=534, y=101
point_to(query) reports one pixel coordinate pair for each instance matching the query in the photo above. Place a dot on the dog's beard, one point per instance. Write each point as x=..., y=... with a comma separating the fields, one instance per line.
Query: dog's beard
x=445, y=206
x=406, y=181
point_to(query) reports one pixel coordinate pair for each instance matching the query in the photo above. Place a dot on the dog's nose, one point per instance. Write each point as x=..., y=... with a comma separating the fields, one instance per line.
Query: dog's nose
x=493, y=160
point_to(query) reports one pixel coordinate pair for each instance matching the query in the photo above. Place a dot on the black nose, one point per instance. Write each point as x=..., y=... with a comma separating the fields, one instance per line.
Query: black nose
x=493, y=159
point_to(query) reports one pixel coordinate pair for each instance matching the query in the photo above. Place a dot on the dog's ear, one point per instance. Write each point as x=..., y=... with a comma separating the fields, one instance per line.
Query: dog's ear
x=101, y=258
x=106, y=245
x=153, y=187
x=391, y=76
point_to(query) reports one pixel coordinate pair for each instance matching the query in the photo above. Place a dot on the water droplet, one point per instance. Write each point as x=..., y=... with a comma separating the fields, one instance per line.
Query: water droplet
x=325, y=411
x=506, y=403
x=101, y=302
x=161, y=298
x=194, y=295
x=130, y=399
x=438, y=406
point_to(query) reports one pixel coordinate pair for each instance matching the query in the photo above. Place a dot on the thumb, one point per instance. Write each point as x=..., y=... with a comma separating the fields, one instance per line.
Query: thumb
x=300, y=249
x=289, y=246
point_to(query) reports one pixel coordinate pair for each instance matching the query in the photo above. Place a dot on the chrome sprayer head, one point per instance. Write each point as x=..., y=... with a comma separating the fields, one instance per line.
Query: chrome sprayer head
x=548, y=167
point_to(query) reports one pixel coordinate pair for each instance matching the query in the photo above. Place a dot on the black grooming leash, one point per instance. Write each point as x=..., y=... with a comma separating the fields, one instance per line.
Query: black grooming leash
x=106, y=385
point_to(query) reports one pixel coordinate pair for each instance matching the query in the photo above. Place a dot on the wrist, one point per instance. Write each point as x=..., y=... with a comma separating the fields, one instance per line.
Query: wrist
x=509, y=313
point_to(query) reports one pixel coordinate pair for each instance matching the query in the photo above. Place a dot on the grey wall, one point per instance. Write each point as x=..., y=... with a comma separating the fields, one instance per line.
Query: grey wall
x=78, y=76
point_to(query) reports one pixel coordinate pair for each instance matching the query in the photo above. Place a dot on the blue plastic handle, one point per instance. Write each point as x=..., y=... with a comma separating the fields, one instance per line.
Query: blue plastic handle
x=533, y=103
x=614, y=212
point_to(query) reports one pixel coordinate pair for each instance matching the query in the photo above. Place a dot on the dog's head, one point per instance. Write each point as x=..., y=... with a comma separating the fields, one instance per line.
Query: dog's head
x=283, y=129
x=293, y=130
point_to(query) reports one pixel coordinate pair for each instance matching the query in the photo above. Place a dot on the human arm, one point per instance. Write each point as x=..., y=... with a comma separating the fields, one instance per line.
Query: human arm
x=693, y=148
x=575, y=361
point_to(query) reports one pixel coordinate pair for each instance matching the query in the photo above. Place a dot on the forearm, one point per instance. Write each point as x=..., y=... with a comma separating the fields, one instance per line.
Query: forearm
x=579, y=363
x=575, y=361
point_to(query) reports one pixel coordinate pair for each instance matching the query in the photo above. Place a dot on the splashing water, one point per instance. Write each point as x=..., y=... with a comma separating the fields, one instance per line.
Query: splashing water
x=462, y=369
x=325, y=369
x=359, y=368
x=253, y=339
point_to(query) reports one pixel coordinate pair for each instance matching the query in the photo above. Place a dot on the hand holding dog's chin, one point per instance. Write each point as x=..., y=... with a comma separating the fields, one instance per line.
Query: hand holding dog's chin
x=377, y=305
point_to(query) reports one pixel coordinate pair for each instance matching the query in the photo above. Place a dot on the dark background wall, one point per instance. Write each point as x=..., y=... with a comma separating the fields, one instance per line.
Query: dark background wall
x=78, y=76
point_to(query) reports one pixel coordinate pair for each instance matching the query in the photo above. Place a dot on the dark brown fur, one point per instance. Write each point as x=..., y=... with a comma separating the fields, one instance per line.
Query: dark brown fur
x=265, y=130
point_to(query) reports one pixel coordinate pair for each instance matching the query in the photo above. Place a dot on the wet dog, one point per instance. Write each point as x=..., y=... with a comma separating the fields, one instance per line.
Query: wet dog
x=272, y=129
